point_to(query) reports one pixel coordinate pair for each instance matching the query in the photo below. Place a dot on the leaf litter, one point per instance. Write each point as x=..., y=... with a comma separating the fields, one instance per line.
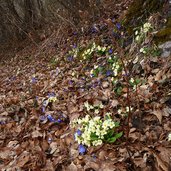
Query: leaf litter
x=39, y=98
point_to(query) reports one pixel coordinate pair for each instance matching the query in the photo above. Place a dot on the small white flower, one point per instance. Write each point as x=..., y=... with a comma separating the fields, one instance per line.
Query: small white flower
x=169, y=137
x=112, y=79
x=91, y=72
x=101, y=106
x=86, y=119
x=73, y=74
x=88, y=51
x=86, y=104
x=95, y=66
x=103, y=49
x=91, y=106
x=97, y=142
x=96, y=118
x=136, y=32
x=132, y=80
x=98, y=48
x=137, y=38
x=119, y=111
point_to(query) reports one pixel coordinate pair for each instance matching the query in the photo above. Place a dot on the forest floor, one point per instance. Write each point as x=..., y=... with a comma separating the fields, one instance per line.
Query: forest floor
x=101, y=70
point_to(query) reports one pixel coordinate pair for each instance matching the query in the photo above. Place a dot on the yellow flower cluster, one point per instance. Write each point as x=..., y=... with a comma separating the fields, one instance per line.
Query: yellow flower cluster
x=89, y=51
x=115, y=67
x=95, y=107
x=141, y=34
x=93, y=130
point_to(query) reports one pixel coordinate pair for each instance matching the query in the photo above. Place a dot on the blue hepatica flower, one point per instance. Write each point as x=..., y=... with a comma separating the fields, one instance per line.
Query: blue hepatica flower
x=45, y=103
x=78, y=132
x=51, y=119
x=49, y=140
x=70, y=58
x=82, y=149
x=118, y=26
x=109, y=73
x=42, y=118
x=94, y=29
x=12, y=78
x=2, y=122
x=74, y=46
x=91, y=75
x=43, y=109
x=52, y=94
x=75, y=33
x=70, y=82
x=65, y=90
x=110, y=51
x=59, y=120
x=33, y=80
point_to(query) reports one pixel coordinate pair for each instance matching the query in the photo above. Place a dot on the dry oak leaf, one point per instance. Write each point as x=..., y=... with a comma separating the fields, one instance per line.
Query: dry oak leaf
x=159, y=114
x=23, y=159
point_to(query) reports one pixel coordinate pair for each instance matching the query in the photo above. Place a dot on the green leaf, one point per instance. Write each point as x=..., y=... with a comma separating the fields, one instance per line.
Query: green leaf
x=131, y=83
x=118, y=135
x=110, y=133
x=95, y=72
x=100, y=69
x=111, y=140
x=110, y=61
x=117, y=124
x=94, y=137
x=119, y=90
x=137, y=81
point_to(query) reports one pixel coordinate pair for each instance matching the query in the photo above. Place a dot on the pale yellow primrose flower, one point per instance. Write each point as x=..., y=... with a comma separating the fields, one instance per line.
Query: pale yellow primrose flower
x=94, y=125
x=96, y=111
x=169, y=137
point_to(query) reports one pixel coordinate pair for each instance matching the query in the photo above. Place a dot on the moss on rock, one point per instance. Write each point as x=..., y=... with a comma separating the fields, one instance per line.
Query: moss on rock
x=139, y=11
x=164, y=34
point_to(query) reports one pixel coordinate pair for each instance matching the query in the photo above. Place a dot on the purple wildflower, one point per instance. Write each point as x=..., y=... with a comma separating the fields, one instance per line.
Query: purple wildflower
x=51, y=119
x=81, y=89
x=42, y=118
x=110, y=51
x=82, y=149
x=2, y=122
x=74, y=46
x=94, y=29
x=94, y=156
x=75, y=33
x=116, y=35
x=109, y=73
x=33, y=80
x=52, y=94
x=12, y=78
x=45, y=103
x=70, y=58
x=91, y=75
x=65, y=90
x=70, y=82
x=49, y=140
x=59, y=120
x=83, y=78
x=118, y=25
x=113, y=20
x=78, y=132
x=43, y=109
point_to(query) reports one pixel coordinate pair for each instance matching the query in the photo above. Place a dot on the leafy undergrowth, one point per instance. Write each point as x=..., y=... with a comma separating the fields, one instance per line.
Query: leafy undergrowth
x=115, y=88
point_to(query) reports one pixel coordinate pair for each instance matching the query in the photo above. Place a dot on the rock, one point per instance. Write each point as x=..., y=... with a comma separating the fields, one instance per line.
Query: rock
x=166, y=48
